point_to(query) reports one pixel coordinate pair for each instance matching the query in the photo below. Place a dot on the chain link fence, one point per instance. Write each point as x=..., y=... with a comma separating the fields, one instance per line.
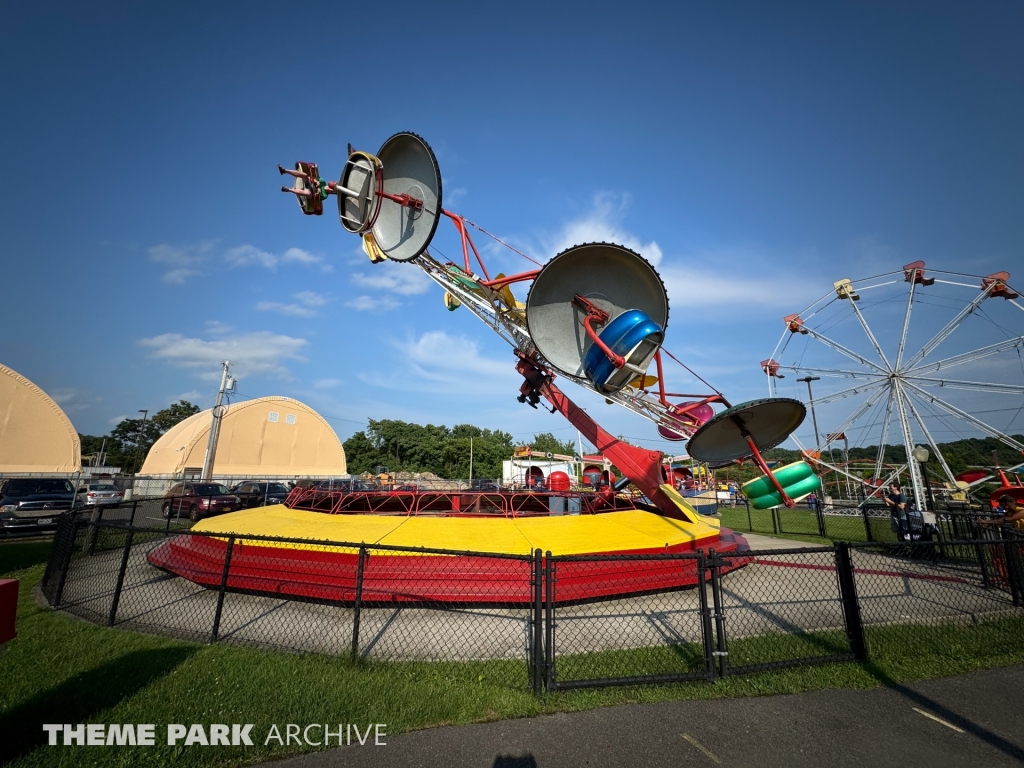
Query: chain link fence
x=537, y=622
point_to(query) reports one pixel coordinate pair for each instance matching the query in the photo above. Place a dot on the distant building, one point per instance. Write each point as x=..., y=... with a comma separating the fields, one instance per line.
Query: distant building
x=36, y=435
x=270, y=437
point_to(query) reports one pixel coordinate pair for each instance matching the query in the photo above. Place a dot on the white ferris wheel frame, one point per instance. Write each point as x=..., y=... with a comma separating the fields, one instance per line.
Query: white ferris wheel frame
x=903, y=381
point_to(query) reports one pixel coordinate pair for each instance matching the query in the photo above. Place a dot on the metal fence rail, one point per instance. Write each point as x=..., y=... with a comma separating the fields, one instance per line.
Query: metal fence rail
x=540, y=622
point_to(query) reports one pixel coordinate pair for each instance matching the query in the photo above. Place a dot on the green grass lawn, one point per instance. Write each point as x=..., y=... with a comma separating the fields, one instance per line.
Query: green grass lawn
x=802, y=525
x=62, y=670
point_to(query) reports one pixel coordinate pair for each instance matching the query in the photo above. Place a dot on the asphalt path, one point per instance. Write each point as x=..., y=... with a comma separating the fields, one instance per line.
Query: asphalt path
x=968, y=720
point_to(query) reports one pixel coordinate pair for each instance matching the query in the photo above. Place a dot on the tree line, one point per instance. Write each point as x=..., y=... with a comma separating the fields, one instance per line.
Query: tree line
x=443, y=451
x=129, y=442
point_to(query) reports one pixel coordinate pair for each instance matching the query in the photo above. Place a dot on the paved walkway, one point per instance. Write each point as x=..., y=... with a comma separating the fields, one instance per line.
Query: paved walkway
x=970, y=720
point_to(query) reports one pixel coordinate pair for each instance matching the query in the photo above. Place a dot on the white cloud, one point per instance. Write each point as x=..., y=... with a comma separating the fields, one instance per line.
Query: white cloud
x=260, y=352
x=403, y=279
x=326, y=383
x=62, y=396
x=372, y=304
x=304, y=308
x=748, y=286
x=602, y=223
x=442, y=357
x=117, y=420
x=299, y=256
x=218, y=327
x=251, y=256
x=184, y=260
x=312, y=298
x=291, y=310
x=192, y=394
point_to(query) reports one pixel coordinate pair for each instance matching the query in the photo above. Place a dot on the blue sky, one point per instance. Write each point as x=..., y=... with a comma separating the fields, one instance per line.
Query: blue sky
x=755, y=151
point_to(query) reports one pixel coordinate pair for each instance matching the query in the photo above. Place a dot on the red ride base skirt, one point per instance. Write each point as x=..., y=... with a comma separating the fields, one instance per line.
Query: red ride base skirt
x=398, y=577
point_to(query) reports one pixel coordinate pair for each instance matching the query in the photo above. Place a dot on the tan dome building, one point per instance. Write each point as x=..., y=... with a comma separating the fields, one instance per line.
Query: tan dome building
x=35, y=434
x=268, y=437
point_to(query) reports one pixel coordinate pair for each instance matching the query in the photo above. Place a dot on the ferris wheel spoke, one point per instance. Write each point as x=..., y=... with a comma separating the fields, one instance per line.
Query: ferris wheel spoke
x=870, y=335
x=838, y=373
x=906, y=325
x=969, y=357
x=978, y=423
x=978, y=386
x=844, y=351
x=902, y=399
x=880, y=458
x=951, y=326
x=931, y=441
x=861, y=410
x=844, y=393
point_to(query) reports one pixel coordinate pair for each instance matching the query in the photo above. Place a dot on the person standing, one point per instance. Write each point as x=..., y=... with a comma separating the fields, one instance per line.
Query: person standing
x=897, y=504
x=1013, y=513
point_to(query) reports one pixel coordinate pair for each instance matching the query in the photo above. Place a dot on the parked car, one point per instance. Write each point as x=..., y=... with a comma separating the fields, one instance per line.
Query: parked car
x=101, y=494
x=348, y=486
x=260, y=494
x=410, y=488
x=34, y=503
x=198, y=500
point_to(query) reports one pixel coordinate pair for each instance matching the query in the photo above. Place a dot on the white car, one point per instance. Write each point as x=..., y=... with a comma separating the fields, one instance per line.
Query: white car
x=101, y=494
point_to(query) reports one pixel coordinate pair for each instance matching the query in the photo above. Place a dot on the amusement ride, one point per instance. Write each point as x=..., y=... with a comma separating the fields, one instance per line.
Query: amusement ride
x=596, y=315
x=887, y=355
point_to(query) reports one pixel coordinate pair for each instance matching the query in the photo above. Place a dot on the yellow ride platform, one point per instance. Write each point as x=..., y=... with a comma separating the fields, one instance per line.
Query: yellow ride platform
x=627, y=531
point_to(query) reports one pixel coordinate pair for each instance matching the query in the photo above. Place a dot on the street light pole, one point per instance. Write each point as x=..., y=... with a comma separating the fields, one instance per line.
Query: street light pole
x=814, y=415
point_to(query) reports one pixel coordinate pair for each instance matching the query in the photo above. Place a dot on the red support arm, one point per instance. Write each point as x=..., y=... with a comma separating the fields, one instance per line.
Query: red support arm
x=641, y=466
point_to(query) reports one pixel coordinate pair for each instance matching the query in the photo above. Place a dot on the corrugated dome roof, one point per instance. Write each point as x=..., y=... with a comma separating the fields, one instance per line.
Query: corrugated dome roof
x=35, y=433
x=269, y=436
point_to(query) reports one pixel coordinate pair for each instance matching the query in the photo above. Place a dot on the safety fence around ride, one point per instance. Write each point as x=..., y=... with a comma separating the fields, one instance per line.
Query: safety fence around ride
x=540, y=622
x=853, y=521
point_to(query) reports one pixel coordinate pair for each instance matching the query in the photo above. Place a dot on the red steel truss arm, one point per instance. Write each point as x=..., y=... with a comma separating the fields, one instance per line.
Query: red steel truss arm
x=641, y=466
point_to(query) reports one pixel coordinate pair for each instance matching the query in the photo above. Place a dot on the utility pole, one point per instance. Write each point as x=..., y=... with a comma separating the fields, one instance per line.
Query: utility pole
x=138, y=445
x=218, y=414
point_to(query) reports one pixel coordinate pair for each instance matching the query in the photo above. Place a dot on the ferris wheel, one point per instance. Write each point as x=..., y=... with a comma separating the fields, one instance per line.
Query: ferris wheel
x=909, y=358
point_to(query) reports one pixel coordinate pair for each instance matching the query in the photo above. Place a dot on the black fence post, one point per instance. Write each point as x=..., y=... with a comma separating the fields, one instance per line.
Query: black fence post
x=705, y=616
x=980, y=553
x=716, y=593
x=66, y=560
x=776, y=521
x=223, y=587
x=120, y=578
x=357, y=605
x=750, y=522
x=538, y=626
x=1011, y=552
x=89, y=546
x=135, y=506
x=851, y=604
x=550, y=680
x=867, y=524
x=822, y=531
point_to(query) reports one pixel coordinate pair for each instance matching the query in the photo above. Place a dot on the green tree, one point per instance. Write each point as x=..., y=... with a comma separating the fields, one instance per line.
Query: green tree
x=129, y=442
x=405, y=447
x=546, y=442
x=173, y=414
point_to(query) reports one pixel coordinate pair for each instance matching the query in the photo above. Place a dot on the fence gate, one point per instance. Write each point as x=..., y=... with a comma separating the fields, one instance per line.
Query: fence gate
x=784, y=608
x=660, y=633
